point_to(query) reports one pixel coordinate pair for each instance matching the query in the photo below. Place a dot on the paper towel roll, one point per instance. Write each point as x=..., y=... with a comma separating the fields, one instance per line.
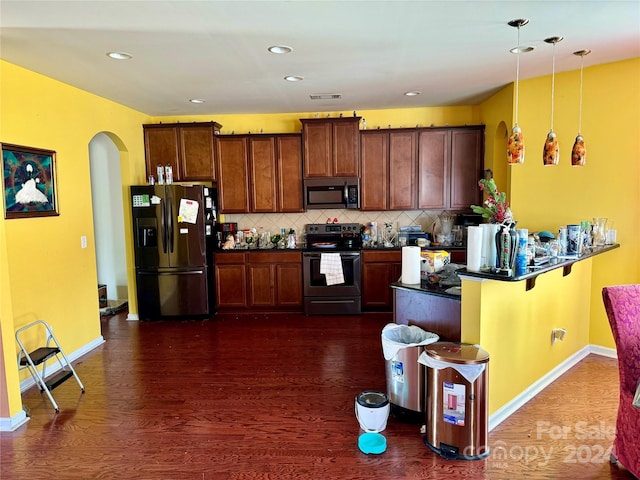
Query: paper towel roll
x=489, y=253
x=474, y=249
x=410, y=265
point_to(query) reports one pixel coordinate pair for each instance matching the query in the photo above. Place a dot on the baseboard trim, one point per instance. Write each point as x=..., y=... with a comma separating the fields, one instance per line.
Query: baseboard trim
x=29, y=382
x=604, y=351
x=133, y=317
x=536, y=387
x=9, y=424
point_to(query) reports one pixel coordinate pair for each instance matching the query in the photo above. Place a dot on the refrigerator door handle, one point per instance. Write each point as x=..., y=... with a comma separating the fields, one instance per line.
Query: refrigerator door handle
x=164, y=228
x=170, y=219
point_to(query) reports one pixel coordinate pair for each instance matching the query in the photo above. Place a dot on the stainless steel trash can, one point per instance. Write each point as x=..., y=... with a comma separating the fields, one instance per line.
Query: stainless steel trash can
x=456, y=403
x=405, y=376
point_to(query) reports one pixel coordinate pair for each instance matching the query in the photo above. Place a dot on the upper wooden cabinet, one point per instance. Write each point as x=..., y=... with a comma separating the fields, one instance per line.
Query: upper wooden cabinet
x=259, y=173
x=233, y=178
x=388, y=169
x=423, y=168
x=188, y=148
x=331, y=147
x=467, y=163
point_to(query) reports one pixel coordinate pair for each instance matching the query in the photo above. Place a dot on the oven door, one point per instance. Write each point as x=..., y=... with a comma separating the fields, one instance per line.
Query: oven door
x=315, y=283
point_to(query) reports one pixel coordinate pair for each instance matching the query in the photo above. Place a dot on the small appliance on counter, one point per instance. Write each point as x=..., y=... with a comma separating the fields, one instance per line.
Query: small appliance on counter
x=412, y=235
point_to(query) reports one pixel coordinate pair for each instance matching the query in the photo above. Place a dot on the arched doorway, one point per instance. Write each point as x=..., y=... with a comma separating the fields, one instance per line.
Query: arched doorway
x=108, y=215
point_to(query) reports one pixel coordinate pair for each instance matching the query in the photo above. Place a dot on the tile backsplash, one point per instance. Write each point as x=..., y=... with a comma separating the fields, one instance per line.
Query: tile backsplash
x=273, y=222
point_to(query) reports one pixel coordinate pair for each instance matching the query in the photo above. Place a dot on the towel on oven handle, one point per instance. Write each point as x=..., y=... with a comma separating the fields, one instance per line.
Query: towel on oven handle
x=331, y=267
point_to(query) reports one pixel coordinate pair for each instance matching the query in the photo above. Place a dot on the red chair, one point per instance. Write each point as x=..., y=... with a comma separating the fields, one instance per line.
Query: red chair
x=622, y=304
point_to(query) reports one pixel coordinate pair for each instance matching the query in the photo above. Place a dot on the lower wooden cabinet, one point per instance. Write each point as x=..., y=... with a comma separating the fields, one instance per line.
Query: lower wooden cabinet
x=259, y=280
x=274, y=280
x=230, y=280
x=379, y=270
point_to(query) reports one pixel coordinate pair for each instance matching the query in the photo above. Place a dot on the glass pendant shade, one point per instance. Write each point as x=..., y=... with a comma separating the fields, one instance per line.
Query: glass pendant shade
x=551, y=150
x=515, y=146
x=579, y=150
x=551, y=154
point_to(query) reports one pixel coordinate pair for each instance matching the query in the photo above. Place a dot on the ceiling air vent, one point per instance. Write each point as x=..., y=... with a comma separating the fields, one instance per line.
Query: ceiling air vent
x=326, y=96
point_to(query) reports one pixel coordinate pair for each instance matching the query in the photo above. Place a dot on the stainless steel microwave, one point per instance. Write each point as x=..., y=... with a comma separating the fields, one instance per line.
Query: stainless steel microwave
x=331, y=192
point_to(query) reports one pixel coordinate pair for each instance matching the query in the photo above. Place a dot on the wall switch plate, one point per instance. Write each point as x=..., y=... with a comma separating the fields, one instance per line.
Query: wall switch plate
x=83, y=241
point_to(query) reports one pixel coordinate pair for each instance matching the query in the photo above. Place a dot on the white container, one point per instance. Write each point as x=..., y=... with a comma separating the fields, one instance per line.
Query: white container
x=372, y=410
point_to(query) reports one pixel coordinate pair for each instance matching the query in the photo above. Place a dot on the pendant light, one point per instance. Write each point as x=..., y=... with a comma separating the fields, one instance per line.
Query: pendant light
x=579, y=151
x=515, y=144
x=551, y=151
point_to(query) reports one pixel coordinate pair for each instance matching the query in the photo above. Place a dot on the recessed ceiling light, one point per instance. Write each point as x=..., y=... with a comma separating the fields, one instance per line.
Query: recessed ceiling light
x=197, y=100
x=293, y=78
x=119, y=55
x=280, y=49
x=414, y=93
x=522, y=49
x=325, y=96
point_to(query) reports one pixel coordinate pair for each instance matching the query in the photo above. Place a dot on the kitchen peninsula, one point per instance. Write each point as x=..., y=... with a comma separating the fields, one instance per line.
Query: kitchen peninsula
x=513, y=319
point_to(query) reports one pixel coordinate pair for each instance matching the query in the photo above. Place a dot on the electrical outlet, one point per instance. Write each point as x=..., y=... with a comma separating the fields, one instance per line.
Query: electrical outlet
x=83, y=241
x=558, y=334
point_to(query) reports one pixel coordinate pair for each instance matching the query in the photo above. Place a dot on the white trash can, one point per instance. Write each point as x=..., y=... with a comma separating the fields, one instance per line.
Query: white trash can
x=372, y=410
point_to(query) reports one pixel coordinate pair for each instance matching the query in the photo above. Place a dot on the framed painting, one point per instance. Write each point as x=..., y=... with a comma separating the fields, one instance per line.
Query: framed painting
x=29, y=182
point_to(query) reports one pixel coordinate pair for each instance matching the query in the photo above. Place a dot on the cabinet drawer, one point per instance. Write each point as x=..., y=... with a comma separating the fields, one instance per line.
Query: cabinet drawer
x=229, y=258
x=382, y=256
x=275, y=257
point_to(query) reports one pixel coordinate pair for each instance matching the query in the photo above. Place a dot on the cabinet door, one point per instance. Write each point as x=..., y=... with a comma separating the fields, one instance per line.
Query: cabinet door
x=375, y=170
x=346, y=147
x=262, y=167
x=161, y=147
x=289, y=168
x=233, y=184
x=467, y=151
x=433, y=169
x=289, y=284
x=316, y=138
x=231, y=286
x=196, y=153
x=402, y=170
x=261, y=285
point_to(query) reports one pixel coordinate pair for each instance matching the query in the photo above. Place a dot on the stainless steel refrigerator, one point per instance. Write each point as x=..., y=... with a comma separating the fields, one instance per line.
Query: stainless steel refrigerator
x=172, y=228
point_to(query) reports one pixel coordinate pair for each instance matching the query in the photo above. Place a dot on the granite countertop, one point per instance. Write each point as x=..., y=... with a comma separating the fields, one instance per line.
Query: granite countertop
x=429, y=288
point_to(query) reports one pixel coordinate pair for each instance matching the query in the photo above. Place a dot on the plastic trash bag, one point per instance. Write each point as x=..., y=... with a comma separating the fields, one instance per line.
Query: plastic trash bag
x=395, y=337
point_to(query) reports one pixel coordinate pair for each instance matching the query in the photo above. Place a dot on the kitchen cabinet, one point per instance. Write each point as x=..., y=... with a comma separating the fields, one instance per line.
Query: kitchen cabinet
x=275, y=167
x=380, y=268
x=467, y=163
x=424, y=168
x=230, y=280
x=450, y=162
x=188, y=148
x=260, y=173
x=275, y=280
x=388, y=169
x=233, y=178
x=331, y=147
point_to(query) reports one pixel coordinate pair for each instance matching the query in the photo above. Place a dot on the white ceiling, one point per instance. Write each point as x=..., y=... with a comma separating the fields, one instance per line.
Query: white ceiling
x=371, y=52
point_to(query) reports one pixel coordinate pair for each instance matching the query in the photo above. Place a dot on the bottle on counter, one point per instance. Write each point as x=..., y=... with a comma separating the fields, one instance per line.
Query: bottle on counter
x=160, y=172
x=168, y=172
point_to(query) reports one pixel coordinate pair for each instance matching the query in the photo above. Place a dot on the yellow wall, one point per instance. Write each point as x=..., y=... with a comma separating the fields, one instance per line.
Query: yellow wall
x=290, y=122
x=50, y=276
x=544, y=198
x=514, y=325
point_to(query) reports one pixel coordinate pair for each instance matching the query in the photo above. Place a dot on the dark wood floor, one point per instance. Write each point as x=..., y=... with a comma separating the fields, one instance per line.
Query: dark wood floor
x=272, y=397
